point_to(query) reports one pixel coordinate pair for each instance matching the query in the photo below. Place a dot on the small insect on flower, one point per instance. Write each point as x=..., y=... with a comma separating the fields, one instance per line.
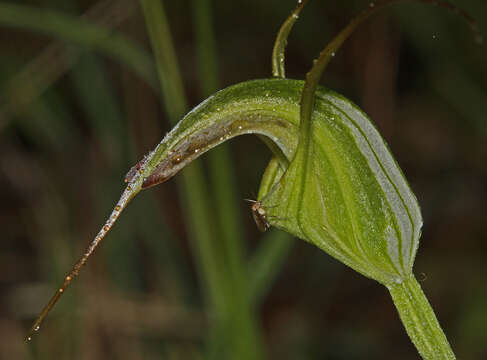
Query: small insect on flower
x=260, y=215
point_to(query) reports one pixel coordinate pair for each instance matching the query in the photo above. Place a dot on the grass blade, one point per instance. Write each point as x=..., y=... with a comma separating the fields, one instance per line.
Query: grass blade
x=226, y=202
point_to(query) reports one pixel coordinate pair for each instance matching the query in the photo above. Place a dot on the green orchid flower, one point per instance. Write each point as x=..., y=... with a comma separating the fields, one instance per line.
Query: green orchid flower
x=332, y=180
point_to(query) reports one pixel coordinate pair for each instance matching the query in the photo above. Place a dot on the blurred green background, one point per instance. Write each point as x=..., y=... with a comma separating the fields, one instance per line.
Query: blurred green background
x=88, y=87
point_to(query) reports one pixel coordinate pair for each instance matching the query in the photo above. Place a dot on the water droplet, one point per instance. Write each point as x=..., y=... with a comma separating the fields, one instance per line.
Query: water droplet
x=281, y=60
x=240, y=127
x=29, y=338
x=61, y=290
x=196, y=150
x=434, y=37
x=37, y=328
x=217, y=109
x=300, y=1
x=333, y=53
x=295, y=16
x=371, y=4
x=68, y=278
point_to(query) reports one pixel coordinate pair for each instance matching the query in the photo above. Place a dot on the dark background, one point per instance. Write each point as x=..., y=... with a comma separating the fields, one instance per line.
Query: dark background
x=72, y=125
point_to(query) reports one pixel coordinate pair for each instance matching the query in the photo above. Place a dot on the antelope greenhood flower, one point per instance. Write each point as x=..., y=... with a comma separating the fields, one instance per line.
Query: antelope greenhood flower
x=358, y=206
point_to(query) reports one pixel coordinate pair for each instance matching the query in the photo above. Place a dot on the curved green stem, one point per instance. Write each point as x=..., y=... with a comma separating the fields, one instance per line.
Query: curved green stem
x=420, y=321
x=278, y=66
